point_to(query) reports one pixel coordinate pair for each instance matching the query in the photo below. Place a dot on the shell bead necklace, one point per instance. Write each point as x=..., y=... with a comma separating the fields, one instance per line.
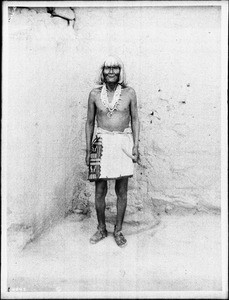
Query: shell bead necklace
x=111, y=106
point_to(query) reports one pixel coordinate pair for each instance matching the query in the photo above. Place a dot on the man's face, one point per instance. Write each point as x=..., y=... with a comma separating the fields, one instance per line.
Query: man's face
x=111, y=74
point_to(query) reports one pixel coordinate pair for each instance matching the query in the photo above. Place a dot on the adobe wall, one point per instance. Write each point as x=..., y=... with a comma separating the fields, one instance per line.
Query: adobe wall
x=172, y=59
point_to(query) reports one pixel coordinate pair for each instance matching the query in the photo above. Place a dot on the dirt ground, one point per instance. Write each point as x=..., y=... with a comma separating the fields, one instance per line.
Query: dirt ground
x=179, y=253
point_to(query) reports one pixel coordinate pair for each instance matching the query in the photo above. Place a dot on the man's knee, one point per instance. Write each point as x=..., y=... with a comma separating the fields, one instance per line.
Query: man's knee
x=101, y=190
x=100, y=196
x=121, y=188
x=121, y=191
x=122, y=198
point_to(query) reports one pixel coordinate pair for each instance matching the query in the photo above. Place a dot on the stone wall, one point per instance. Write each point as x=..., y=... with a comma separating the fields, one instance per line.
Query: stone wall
x=172, y=59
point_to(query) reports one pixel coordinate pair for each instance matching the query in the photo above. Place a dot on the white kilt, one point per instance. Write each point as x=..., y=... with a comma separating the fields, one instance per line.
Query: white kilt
x=115, y=160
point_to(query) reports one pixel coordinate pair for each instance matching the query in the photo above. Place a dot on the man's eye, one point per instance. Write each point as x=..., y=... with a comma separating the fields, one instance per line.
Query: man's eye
x=113, y=68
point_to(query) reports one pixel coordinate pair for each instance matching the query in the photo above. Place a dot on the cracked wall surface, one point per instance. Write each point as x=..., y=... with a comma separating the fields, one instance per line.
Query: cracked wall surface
x=172, y=59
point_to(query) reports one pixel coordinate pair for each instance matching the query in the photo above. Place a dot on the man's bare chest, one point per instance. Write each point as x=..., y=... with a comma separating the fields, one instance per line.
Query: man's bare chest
x=122, y=105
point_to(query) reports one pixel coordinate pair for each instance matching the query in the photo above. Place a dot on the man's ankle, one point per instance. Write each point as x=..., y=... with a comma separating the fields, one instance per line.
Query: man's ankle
x=117, y=228
x=101, y=226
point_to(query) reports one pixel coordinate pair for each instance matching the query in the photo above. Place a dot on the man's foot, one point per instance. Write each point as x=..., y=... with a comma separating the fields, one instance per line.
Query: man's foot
x=119, y=238
x=100, y=234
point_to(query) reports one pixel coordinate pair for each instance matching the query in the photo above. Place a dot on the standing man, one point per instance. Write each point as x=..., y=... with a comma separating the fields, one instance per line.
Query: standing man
x=115, y=147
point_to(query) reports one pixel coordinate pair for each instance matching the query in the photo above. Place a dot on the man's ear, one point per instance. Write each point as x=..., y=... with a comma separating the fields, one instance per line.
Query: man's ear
x=102, y=77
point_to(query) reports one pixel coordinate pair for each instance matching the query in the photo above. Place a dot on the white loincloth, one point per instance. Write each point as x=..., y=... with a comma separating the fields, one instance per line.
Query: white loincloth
x=116, y=158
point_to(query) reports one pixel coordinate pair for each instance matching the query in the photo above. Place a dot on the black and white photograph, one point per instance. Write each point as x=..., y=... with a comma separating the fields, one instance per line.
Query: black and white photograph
x=114, y=150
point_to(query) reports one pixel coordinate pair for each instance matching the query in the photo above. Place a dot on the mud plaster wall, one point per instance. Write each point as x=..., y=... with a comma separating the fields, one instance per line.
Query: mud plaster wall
x=172, y=59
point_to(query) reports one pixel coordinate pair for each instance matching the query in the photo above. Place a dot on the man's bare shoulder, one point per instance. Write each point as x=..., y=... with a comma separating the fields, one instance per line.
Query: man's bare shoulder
x=130, y=91
x=94, y=93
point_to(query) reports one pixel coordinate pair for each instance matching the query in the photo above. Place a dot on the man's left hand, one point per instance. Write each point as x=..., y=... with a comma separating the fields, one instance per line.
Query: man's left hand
x=135, y=154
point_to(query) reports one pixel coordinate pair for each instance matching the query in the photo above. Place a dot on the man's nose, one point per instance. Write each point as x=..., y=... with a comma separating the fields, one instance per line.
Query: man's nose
x=111, y=70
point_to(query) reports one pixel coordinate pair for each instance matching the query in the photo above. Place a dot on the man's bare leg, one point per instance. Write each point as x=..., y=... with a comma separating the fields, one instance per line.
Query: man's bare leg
x=121, y=187
x=100, y=205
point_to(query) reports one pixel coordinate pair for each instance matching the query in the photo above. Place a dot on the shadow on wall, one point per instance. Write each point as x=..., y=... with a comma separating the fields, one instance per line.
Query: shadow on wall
x=42, y=132
x=70, y=197
x=21, y=234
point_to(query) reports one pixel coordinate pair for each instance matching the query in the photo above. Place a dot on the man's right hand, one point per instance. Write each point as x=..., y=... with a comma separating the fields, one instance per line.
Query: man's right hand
x=87, y=158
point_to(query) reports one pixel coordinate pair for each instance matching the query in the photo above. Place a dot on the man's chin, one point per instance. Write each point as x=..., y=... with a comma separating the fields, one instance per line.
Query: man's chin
x=111, y=80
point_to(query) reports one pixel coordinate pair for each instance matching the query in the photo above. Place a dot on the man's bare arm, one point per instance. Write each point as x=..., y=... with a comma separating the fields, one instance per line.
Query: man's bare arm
x=135, y=124
x=90, y=123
